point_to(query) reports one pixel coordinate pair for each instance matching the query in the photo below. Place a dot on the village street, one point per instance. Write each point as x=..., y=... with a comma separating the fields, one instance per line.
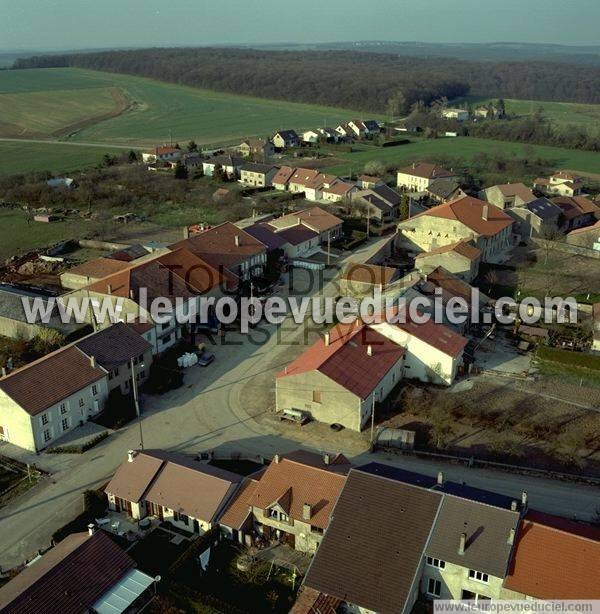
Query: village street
x=214, y=410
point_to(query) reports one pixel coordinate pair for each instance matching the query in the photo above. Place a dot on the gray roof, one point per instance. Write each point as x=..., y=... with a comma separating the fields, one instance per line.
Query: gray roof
x=487, y=529
x=255, y=167
x=114, y=346
x=387, y=193
x=11, y=307
x=443, y=188
x=377, y=202
x=372, y=551
x=543, y=208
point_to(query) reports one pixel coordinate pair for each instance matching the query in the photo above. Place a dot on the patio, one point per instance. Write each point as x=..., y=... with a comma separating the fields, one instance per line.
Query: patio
x=285, y=556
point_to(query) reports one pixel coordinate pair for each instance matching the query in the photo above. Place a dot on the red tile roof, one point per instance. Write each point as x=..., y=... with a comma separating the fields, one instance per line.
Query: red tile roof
x=282, y=176
x=237, y=511
x=68, y=579
x=346, y=361
x=575, y=206
x=555, y=559
x=310, y=601
x=315, y=218
x=98, y=268
x=516, y=189
x=293, y=483
x=464, y=248
x=470, y=212
x=302, y=176
x=373, y=274
x=51, y=379
x=218, y=245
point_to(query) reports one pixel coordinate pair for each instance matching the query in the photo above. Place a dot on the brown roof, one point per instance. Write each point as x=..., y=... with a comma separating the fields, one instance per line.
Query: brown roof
x=237, y=510
x=283, y=174
x=315, y=218
x=369, y=274
x=50, y=379
x=164, y=149
x=463, y=248
x=516, y=189
x=178, y=273
x=114, y=346
x=218, y=245
x=470, y=212
x=68, y=579
x=346, y=361
x=426, y=170
x=310, y=601
x=302, y=176
x=574, y=206
x=132, y=479
x=176, y=482
x=98, y=268
x=372, y=551
x=340, y=188
x=555, y=559
x=450, y=284
x=292, y=484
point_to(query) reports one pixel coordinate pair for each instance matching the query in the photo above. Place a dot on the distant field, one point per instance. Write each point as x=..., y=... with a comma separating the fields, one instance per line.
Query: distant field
x=466, y=149
x=54, y=157
x=158, y=111
x=561, y=114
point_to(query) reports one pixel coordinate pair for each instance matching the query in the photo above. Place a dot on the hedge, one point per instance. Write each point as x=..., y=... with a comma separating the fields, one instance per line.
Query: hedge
x=566, y=357
x=81, y=448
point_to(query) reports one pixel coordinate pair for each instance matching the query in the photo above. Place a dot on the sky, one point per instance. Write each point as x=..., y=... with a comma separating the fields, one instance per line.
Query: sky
x=88, y=24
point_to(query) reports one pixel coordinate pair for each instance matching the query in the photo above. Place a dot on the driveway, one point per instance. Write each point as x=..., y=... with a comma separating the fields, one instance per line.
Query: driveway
x=226, y=407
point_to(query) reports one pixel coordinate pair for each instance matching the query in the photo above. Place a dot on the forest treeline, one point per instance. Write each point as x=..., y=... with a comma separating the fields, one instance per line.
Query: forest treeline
x=363, y=81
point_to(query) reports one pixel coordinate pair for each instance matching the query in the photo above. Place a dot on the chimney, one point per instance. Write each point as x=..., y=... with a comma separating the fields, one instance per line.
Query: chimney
x=462, y=543
x=484, y=213
x=130, y=456
x=327, y=339
x=299, y=221
x=276, y=459
x=524, y=498
x=326, y=458
x=369, y=350
x=237, y=240
x=513, y=506
x=91, y=528
x=3, y=371
x=109, y=288
x=131, y=294
x=306, y=511
x=93, y=362
x=440, y=478
x=511, y=537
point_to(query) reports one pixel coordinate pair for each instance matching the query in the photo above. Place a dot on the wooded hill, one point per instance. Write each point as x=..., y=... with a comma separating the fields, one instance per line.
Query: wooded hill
x=364, y=81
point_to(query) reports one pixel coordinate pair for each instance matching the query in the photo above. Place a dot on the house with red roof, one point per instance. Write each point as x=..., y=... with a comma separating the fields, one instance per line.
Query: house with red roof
x=561, y=183
x=290, y=502
x=463, y=219
x=461, y=259
x=418, y=176
x=554, y=559
x=162, y=153
x=340, y=377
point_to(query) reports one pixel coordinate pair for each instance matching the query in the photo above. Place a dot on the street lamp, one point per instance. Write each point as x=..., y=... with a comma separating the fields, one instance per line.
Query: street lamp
x=136, y=400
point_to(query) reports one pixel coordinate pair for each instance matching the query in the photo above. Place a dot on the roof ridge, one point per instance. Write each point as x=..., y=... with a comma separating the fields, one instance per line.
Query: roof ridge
x=316, y=468
x=563, y=531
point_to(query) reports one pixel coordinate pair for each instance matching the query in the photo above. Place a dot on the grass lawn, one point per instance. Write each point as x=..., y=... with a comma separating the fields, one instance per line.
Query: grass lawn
x=465, y=150
x=18, y=235
x=24, y=157
x=162, y=110
x=561, y=114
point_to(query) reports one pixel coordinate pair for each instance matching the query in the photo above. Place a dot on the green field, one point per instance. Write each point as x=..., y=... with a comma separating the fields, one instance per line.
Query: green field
x=466, y=149
x=561, y=114
x=158, y=111
x=23, y=157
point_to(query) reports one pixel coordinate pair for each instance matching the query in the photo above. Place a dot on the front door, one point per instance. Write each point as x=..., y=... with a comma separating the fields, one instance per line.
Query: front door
x=196, y=526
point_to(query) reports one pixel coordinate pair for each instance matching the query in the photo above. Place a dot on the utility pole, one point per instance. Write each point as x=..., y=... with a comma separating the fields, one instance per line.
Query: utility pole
x=368, y=219
x=136, y=401
x=328, y=247
x=373, y=422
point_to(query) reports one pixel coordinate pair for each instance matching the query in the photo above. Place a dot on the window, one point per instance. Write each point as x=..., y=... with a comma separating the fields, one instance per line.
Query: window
x=94, y=390
x=44, y=419
x=434, y=587
x=436, y=563
x=47, y=436
x=65, y=424
x=63, y=408
x=478, y=576
x=318, y=530
x=81, y=402
x=316, y=396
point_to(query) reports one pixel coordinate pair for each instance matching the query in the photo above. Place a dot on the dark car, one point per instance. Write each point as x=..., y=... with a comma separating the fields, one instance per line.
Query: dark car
x=337, y=427
x=205, y=359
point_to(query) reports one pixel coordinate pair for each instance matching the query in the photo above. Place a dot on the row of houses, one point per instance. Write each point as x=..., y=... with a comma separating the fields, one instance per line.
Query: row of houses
x=425, y=535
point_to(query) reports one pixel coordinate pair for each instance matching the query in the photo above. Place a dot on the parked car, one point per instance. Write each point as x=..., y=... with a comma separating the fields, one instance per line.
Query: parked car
x=205, y=359
x=337, y=427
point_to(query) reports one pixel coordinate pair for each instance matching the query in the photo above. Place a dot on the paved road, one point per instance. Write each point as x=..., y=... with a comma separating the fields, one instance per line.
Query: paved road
x=74, y=143
x=212, y=411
